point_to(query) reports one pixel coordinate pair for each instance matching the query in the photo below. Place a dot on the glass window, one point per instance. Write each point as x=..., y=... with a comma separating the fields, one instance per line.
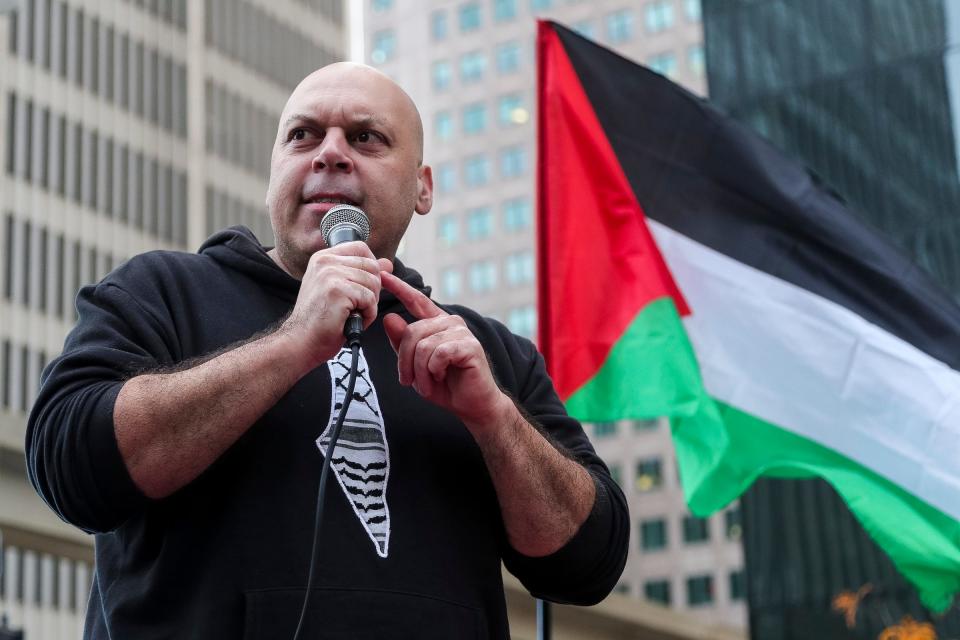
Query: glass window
x=448, y=230
x=649, y=474
x=8, y=285
x=699, y=590
x=645, y=425
x=483, y=276
x=474, y=118
x=657, y=591
x=384, y=46
x=26, y=170
x=517, y=214
x=513, y=162
x=472, y=66
x=443, y=125
x=738, y=585
x=585, y=28
x=379, y=6
x=438, y=25
x=504, y=10
x=107, y=68
x=540, y=5
x=479, y=223
x=469, y=16
x=11, y=133
x=13, y=17
x=692, y=9
x=477, y=170
x=510, y=110
x=732, y=525
x=659, y=15
x=523, y=321
x=451, y=283
x=653, y=534
x=616, y=472
x=78, y=48
x=600, y=429
x=619, y=26
x=508, y=57
x=123, y=57
x=446, y=175
x=695, y=529
x=441, y=74
x=695, y=59
x=93, y=59
x=520, y=270
x=664, y=64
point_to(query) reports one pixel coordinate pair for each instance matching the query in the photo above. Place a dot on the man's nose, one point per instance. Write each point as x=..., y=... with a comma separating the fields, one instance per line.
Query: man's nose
x=333, y=152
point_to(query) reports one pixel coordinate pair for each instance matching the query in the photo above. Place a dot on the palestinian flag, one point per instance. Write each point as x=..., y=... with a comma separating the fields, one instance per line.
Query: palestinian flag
x=688, y=269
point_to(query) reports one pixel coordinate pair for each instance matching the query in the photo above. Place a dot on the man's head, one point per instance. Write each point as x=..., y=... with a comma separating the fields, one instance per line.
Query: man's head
x=348, y=133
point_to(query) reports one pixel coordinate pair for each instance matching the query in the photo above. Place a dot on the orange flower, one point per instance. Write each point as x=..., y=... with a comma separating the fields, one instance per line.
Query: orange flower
x=909, y=629
x=846, y=602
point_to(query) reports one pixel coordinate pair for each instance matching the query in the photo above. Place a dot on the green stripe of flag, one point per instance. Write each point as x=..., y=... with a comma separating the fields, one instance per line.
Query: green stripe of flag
x=650, y=367
x=923, y=542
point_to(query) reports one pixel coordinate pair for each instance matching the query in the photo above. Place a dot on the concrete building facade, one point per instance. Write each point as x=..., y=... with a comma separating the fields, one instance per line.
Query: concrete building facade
x=470, y=67
x=125, y=126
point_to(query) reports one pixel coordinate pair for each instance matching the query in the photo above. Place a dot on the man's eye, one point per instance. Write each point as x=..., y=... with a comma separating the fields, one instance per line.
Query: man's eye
x=298, y=134
x=365, y=137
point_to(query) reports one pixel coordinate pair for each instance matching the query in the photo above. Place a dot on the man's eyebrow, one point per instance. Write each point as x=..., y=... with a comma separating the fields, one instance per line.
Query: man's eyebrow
x=297, y=117
x=367, y=120
x=364, y=120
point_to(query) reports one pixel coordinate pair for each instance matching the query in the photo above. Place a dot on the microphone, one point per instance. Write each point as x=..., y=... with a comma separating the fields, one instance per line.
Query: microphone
x=346, y=223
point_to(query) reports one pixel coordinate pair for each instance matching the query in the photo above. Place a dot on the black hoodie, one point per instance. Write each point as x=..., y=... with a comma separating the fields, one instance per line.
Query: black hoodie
x=227, y=555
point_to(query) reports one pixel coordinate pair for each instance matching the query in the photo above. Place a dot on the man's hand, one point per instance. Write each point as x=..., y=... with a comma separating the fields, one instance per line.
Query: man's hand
x=337, y=281
x=544, y=497
x=442, y=359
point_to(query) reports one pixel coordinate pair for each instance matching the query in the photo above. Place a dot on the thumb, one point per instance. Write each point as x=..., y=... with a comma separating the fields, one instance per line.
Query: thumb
x=394, y=325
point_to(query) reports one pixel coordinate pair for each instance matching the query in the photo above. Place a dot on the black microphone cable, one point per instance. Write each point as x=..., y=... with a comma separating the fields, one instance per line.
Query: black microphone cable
x=354, y=341
x=341, y=223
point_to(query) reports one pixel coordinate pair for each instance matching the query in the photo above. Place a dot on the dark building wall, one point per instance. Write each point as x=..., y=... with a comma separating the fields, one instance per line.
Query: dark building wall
x=803, y=551
x=859, y=91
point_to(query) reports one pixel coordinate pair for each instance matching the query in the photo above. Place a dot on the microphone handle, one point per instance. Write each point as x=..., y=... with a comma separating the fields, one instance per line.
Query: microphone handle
x=353, y=328
x=354, y=325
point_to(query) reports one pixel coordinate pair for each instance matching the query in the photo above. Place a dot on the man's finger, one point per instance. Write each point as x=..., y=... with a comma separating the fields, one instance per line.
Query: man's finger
x=419, y=305
x=394, y=325
x=354, y=248
x=414, y=337
x=360, y=263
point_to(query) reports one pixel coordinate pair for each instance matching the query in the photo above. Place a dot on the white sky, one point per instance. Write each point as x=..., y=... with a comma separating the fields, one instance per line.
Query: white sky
x=355, y=29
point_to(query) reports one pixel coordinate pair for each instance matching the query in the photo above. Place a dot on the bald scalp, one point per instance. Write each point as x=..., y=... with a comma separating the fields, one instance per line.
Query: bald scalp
x=339, y=72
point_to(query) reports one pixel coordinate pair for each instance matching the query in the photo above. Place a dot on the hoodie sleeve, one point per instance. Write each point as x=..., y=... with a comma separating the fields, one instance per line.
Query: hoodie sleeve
x=588, y=567
x=71, y=447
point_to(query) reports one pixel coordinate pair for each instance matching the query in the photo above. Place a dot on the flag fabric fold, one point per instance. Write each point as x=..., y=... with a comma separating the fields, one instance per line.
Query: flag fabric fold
x=688, y=269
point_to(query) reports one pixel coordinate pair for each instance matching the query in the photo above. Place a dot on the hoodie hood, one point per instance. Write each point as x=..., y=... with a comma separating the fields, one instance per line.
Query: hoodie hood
x=238, y=249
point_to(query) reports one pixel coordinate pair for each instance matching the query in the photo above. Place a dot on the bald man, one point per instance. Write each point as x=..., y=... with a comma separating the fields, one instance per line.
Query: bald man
x=186, y=421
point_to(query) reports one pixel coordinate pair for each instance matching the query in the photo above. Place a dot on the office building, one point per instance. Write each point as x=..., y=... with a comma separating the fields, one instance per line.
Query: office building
x=865, y=94
x=125, y=126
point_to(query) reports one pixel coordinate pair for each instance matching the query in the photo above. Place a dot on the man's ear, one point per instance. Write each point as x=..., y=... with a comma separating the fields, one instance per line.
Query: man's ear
x=424, y=190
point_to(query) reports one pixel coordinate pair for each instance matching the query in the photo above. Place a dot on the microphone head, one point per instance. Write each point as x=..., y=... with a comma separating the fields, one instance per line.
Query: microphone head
x=344, y=223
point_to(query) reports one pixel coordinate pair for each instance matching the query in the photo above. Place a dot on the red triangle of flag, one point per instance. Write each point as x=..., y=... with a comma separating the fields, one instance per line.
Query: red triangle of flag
x=598, y=263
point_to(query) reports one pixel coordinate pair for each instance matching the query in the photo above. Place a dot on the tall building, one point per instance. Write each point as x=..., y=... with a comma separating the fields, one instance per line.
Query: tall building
x=470, y=67
x=865, y=93
x=124, y=126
